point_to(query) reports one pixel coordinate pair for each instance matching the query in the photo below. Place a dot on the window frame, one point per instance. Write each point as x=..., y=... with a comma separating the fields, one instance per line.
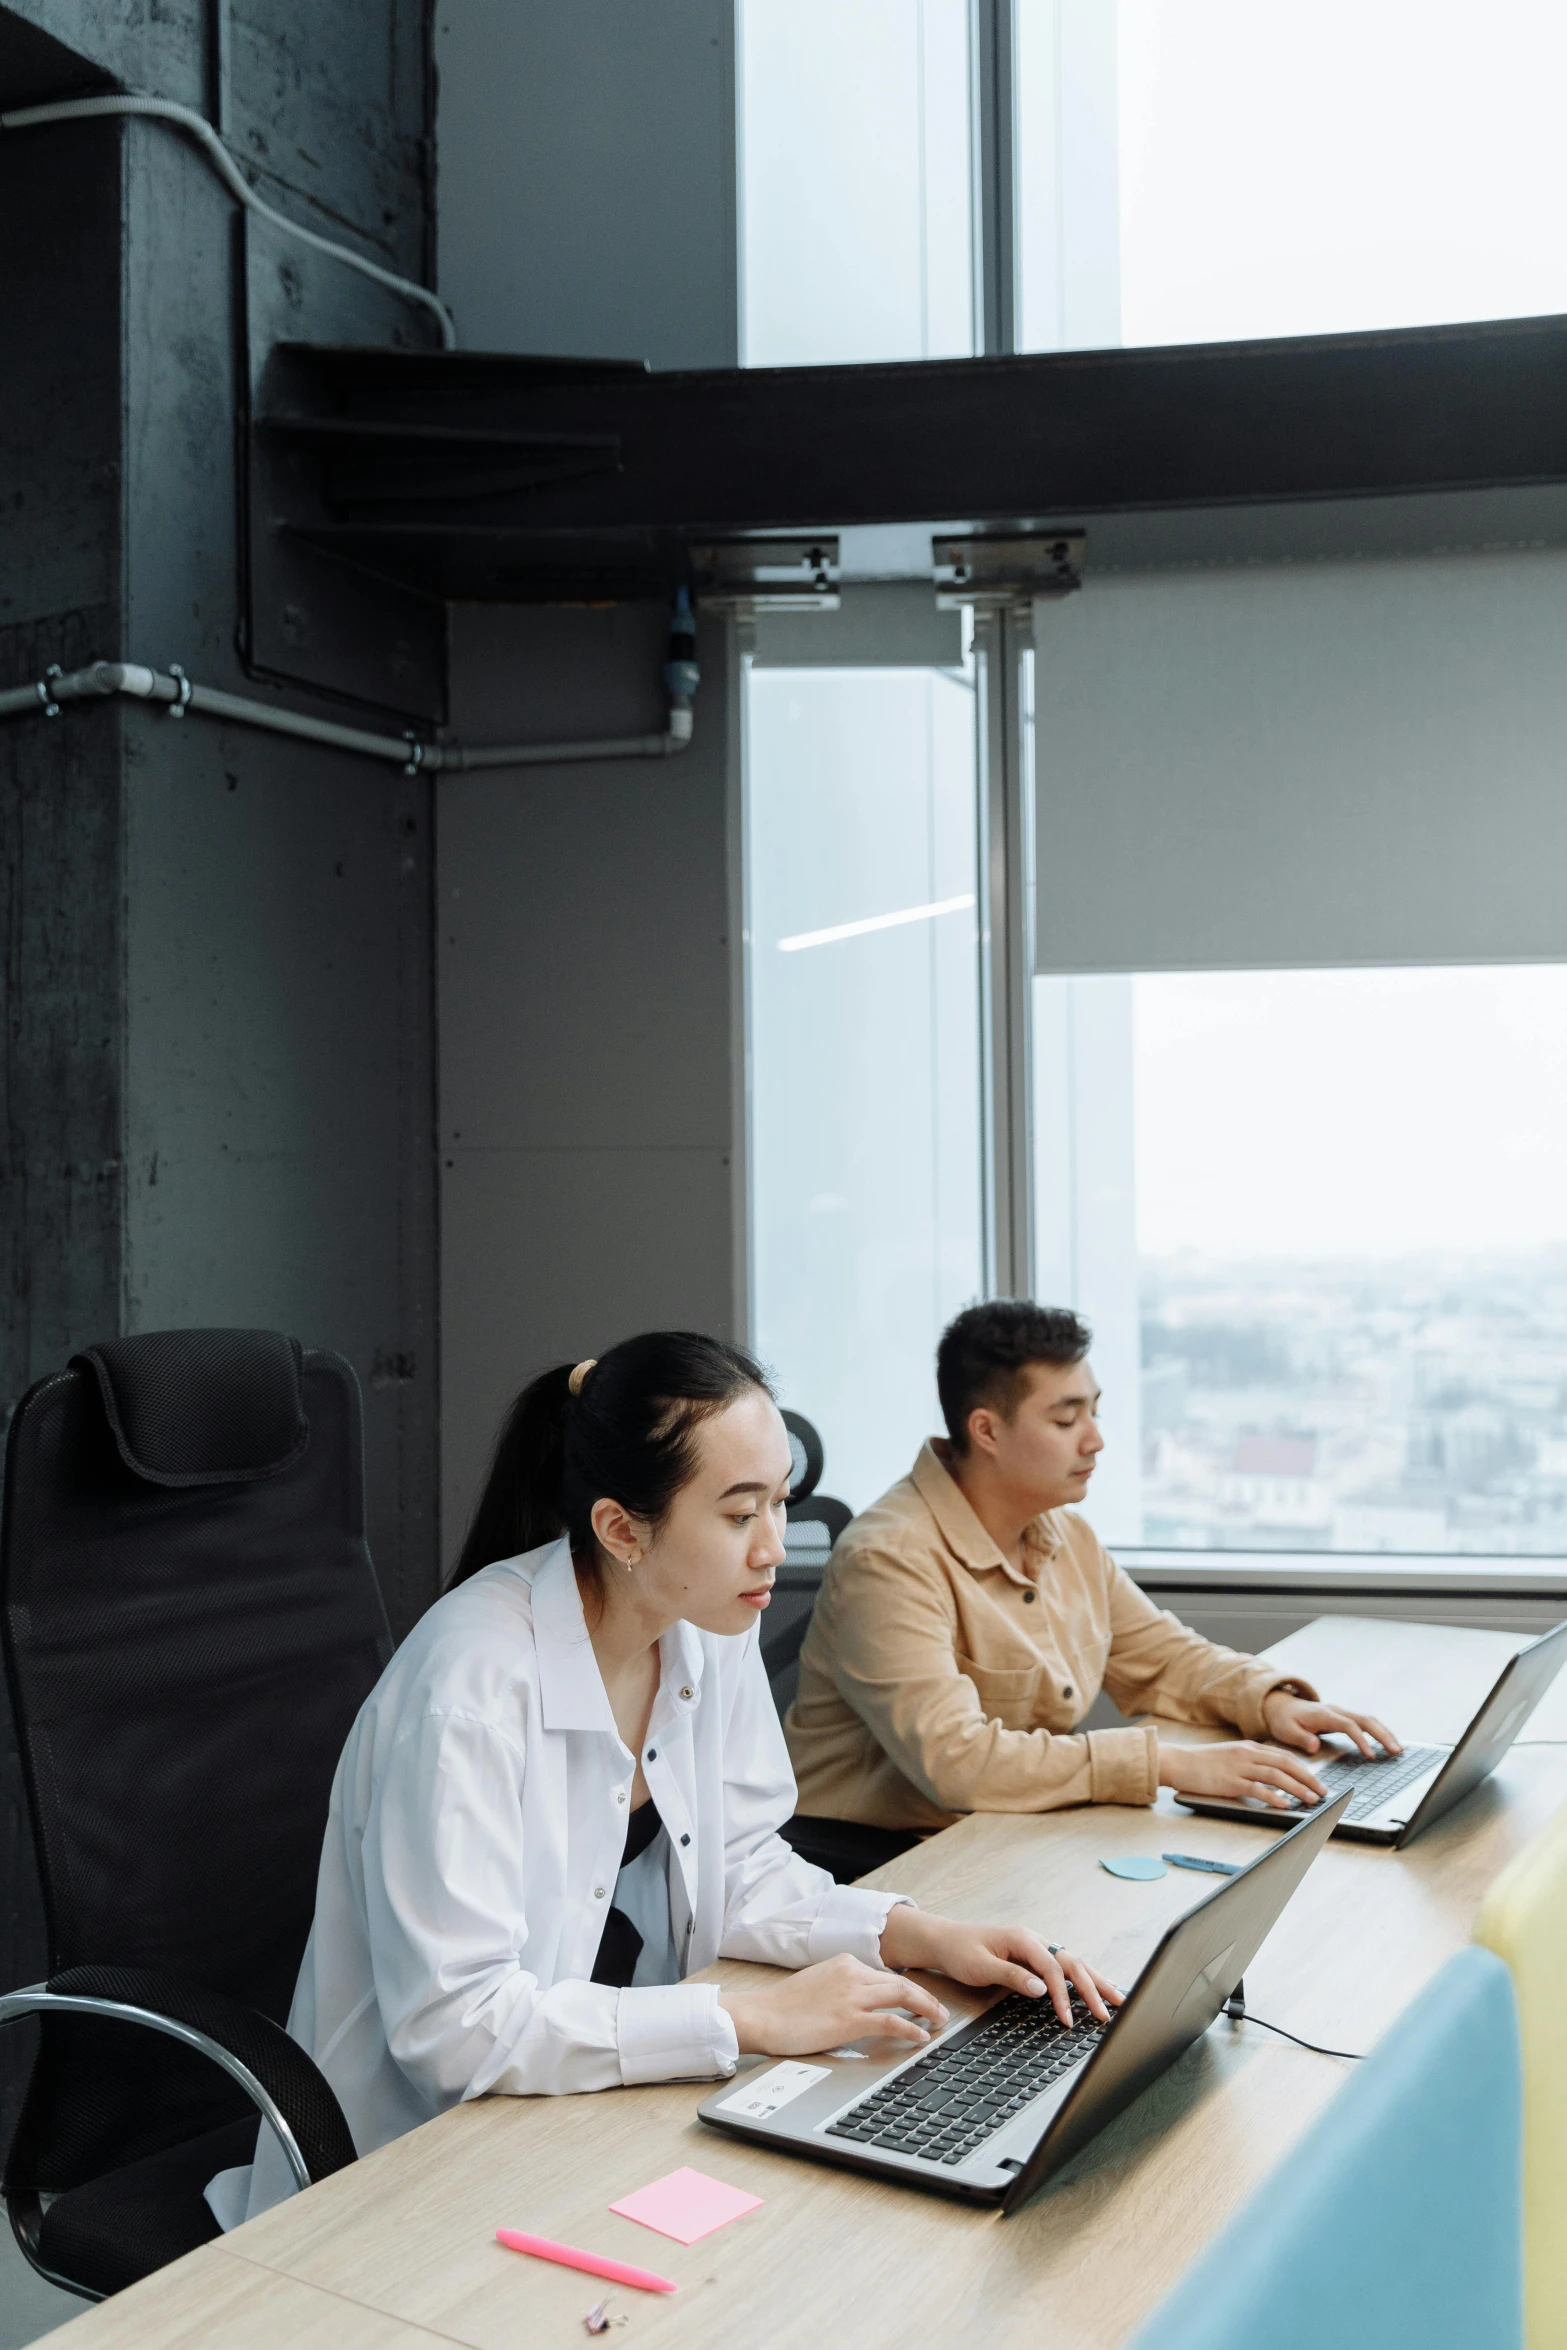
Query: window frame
x=1351, y=491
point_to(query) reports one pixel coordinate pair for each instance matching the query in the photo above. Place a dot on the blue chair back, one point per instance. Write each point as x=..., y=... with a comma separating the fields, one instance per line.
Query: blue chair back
x=1398, y=2219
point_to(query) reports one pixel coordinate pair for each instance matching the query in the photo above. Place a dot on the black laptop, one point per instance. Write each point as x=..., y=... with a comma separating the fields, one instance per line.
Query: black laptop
x=1394, y=1797
x=992, y=2108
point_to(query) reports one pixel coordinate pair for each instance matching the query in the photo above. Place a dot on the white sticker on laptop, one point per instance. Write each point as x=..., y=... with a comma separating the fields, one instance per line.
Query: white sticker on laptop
x=758, y=2100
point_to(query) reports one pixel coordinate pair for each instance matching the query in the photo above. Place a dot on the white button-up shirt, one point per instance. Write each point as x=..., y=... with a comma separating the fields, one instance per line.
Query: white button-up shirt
x=476, y=1828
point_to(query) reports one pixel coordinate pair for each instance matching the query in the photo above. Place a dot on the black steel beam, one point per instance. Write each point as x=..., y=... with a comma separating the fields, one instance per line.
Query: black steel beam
x=1055, y=437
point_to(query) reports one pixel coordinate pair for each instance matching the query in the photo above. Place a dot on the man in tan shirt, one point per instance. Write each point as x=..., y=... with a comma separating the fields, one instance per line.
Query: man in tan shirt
x=968, y=1620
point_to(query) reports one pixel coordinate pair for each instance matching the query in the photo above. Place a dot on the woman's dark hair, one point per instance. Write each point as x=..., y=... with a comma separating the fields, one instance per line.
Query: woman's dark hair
x=984, y=1357
x=629, y=1436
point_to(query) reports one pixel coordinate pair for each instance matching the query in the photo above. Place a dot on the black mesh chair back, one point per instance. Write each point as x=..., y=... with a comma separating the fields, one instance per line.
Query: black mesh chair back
x=813, y=1524
x=191, y=1623
x=815, y=1521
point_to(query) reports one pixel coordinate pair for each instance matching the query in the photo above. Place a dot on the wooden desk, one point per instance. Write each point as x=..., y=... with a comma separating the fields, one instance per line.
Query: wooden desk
x=219, y=2298
x=1426, y=1681
x=400, y=2247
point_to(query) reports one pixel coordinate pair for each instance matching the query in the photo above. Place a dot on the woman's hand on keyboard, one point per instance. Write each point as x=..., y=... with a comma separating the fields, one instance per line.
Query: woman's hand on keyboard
x=1005, y=1955
x=823, y=2006
x=1240, y=1771
x=1301, y=1721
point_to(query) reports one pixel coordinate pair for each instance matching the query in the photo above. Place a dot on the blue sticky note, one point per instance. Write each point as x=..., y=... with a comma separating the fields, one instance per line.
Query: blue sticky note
x=1140, y=1865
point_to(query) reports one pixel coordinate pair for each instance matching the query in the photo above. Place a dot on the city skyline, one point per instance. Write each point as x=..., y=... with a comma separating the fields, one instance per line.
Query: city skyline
x=1412, y=1405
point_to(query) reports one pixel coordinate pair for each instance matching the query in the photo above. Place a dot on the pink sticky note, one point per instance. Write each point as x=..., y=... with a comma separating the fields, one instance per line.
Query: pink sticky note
x=686, y=2204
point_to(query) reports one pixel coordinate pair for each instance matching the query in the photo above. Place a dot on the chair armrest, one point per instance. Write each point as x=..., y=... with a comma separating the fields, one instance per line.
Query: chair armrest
x=287, y=2088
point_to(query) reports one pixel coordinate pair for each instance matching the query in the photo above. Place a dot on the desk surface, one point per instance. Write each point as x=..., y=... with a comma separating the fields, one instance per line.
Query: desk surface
x=399, y=2249
x=1426, y=1681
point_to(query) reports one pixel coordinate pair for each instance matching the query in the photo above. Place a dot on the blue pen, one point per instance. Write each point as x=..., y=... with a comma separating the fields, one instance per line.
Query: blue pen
x=1190, y=1860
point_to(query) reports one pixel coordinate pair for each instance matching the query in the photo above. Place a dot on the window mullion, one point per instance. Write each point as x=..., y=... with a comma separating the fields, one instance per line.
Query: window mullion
x=1003, y=646
x=993, y=150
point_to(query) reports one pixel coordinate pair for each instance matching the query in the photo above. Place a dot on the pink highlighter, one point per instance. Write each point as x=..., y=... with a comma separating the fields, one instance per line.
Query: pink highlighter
x=592, y=2263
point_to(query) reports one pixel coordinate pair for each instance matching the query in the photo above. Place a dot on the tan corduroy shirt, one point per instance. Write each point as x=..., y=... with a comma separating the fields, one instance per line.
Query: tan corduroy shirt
x=937, y=1678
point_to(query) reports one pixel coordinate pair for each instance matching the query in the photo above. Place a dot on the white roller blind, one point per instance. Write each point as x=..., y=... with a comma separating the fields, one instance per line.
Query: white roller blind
x=1323, y=763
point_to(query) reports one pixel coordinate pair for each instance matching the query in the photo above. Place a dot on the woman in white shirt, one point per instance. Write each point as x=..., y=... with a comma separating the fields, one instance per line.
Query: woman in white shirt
x=497, y=1909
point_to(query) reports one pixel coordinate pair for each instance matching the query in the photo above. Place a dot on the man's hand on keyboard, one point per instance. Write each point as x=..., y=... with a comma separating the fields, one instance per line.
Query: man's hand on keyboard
x=1302, y=1722
x=1240, y=1771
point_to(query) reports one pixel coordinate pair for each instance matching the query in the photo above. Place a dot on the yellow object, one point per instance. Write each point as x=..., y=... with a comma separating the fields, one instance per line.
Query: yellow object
x=1524, y=1920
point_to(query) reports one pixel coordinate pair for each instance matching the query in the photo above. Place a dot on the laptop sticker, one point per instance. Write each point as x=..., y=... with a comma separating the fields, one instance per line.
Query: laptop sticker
x=760, y=2099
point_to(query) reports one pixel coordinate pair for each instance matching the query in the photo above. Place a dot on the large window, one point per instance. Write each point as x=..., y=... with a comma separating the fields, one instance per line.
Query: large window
x=864, y=1048
x=1207, y=170
x=854, y=181
x=1318, y=1217
x=864, y=1022
x=1320, y=1221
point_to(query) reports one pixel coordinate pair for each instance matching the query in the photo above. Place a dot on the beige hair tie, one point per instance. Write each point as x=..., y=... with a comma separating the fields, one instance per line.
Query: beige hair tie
x=574, y=1383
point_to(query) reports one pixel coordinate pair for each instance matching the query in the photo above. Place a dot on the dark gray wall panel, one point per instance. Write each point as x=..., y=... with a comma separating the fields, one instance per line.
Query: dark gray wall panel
x=587, y=177
x=549, y=1255
x=588, y=953
x=605, y=884
x=587, y=1017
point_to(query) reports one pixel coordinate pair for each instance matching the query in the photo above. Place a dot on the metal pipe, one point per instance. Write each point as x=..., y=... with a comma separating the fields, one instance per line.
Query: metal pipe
x=47, y=696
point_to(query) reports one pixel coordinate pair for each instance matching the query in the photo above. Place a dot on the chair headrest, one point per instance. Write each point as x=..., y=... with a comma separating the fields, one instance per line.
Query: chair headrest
x=202, y=1407
x=805, y=1451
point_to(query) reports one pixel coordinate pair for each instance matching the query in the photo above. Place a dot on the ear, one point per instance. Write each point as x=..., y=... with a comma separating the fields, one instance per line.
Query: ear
x=982, y=1427
x=618, y=1533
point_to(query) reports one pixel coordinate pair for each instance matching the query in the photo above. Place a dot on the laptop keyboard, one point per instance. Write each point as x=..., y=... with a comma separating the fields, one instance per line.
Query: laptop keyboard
x=1373, y=1780
x=959, y=2095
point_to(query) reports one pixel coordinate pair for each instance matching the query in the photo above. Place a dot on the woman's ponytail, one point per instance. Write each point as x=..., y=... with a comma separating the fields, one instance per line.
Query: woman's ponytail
x=520, y=1506
x=626, y=1433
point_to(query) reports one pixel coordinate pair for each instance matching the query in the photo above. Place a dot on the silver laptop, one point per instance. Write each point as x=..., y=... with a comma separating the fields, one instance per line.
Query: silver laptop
x=996, y=2104
x=1393, y=1797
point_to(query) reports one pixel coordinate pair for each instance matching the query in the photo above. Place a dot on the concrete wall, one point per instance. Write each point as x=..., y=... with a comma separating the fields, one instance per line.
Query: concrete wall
x=590, y=1171
x=219, y=944
x=218, y=1068
x=279, y=1051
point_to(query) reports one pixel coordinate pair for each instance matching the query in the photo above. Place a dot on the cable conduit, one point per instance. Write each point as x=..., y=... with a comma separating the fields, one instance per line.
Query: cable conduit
x=49, y=694
x=185, y=118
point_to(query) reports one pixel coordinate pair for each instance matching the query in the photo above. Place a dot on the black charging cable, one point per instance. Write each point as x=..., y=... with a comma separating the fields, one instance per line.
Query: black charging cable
x=1235, y=2008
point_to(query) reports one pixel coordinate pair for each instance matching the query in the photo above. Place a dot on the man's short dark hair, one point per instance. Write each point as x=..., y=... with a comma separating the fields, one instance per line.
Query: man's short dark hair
x=984, y=1357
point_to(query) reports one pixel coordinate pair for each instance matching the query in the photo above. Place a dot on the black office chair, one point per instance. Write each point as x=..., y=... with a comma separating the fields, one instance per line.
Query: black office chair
x=191, y=1623
x=815, y=1522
